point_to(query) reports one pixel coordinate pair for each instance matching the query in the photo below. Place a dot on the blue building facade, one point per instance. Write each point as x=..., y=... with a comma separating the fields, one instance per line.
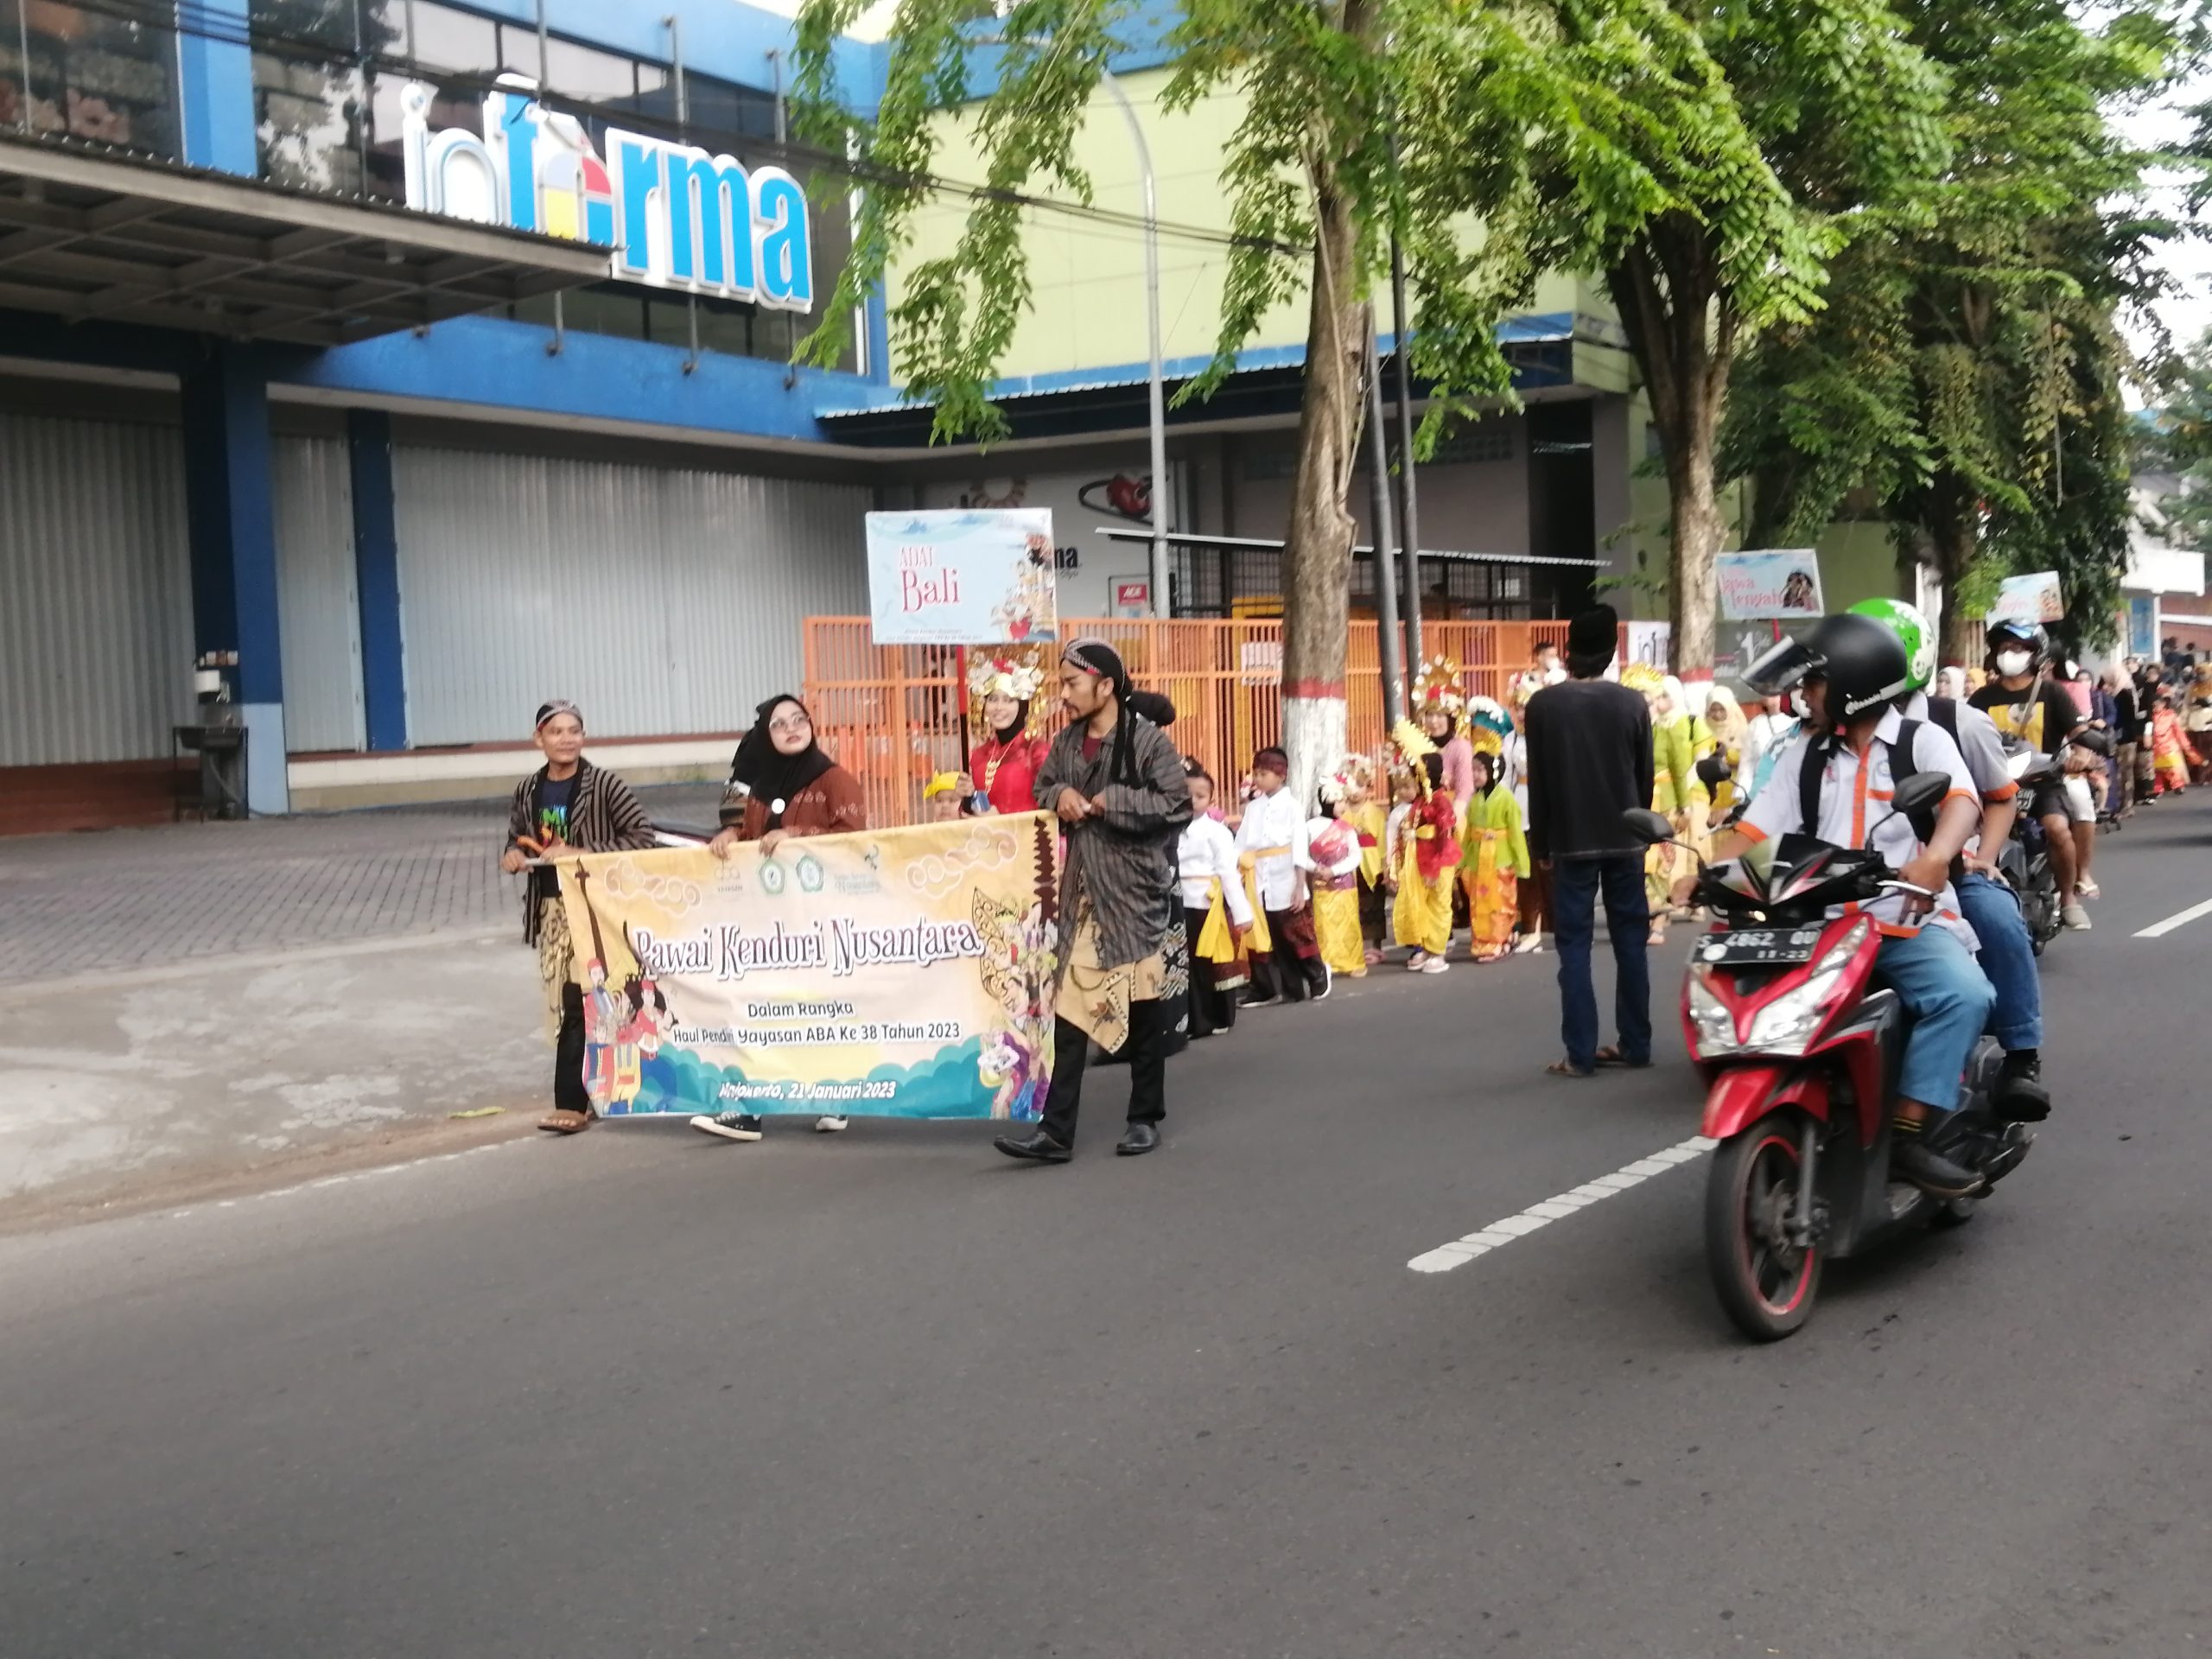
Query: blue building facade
x=410, y=362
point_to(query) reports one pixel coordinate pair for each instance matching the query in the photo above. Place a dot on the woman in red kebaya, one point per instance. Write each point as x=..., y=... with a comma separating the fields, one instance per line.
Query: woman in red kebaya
x=1003, y=768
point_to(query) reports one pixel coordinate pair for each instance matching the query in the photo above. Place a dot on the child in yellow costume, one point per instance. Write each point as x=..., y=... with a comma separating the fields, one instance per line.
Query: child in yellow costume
x=1723, y=717
x=1673, y=769
x=1494, y=861
x=1332, y=880
x=1371, y=824
x=1427, y=856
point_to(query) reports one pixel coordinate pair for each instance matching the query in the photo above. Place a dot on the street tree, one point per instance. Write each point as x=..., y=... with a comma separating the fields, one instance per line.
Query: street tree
x=1362, y=119
x=1966, y=378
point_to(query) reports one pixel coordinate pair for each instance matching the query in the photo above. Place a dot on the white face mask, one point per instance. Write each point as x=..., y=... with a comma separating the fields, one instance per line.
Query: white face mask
x=2010, y=662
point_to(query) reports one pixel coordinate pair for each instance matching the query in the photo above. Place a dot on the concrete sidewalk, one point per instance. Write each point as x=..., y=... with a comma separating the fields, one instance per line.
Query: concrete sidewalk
x=192, y=1001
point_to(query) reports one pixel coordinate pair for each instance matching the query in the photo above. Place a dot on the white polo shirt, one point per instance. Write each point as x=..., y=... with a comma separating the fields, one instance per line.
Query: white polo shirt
x=1855, y=799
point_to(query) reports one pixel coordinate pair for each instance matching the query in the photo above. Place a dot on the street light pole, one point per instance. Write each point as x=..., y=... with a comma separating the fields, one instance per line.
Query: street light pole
x=1158, y=388
x=1386, y=585
x=1408, y=511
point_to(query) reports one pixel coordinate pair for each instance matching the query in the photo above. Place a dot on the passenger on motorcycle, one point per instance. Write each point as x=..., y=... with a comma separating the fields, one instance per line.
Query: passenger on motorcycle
x=1990, y=906
x=1848, y=761
x=2027, y=704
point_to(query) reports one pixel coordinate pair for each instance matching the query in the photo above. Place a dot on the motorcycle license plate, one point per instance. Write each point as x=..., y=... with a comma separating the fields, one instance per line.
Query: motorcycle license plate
x=1759, y=947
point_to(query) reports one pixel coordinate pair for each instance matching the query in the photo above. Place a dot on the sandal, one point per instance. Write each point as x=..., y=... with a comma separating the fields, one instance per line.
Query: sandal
x=1566, y=1068
x=1611, y=1055
x=565, y=1123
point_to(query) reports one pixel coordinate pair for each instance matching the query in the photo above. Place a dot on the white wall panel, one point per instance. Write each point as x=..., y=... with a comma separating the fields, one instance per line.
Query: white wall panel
x=659, y=601
x=95, y=591
x=317, y=595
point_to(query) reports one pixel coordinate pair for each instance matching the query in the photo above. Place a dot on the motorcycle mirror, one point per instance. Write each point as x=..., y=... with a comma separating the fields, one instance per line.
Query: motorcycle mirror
x=1919, y=792
x=1648, y=826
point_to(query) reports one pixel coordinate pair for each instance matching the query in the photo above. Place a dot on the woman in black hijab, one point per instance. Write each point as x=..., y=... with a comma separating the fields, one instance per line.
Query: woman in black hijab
x=782, y=782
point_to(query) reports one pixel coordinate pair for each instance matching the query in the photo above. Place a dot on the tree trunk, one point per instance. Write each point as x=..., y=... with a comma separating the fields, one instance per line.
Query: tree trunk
x=1681, y=333
x=1693, y=590
x=1317, y=552
x=1954, y=533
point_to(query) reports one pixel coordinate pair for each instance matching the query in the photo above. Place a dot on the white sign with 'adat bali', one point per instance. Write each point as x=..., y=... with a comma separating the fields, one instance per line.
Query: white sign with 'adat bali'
x=670, y=215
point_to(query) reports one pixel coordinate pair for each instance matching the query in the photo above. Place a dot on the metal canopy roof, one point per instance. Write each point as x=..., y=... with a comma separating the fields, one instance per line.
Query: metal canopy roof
x=88, y=234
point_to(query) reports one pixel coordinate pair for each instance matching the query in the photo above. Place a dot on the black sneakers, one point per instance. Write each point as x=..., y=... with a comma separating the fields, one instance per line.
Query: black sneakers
x=731, y=1126
x=1913, y=1160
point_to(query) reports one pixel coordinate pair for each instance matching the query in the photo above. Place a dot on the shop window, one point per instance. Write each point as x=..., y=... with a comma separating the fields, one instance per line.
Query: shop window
x=89, y=74
x=458, y=41
x=1276, y=461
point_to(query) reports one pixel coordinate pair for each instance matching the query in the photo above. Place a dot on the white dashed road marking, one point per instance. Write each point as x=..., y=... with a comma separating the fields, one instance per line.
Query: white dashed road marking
x=2179, y=918
x=1445, y=1257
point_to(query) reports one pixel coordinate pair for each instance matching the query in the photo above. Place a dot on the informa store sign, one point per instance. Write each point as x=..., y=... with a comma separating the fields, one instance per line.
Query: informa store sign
x=669, y=215
x=900, y=973
x=961, y=576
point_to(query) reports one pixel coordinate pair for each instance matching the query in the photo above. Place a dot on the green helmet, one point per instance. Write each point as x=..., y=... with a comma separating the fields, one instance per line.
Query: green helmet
x=1913, y=633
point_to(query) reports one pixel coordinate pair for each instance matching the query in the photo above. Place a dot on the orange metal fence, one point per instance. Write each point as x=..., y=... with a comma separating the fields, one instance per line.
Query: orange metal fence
x=891, y=713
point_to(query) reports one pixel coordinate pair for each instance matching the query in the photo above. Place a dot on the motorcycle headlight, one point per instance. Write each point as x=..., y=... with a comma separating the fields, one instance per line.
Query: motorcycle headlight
x=1711, y=1020
x=1787, y=1023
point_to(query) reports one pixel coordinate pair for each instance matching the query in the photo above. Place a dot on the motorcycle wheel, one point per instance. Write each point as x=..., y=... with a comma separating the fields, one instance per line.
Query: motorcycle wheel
x=1766, y=1284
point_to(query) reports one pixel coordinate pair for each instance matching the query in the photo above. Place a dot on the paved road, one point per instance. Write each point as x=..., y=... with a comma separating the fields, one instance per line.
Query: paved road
x=646, y=1394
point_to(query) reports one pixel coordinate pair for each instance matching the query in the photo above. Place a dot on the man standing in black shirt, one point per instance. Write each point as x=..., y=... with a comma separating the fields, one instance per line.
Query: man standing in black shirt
x=2026, y=705
x=1590, y=762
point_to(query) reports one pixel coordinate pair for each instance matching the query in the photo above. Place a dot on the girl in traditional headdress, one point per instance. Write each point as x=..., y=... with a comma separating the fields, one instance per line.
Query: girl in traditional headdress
x=1428, y=855
x=1439, y=708
x=1494, y=861
x=1370, y=822
x=1332, y=848
x=1003, y=768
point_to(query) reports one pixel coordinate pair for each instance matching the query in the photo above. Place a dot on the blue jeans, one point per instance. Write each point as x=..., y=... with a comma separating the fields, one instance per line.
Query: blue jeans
x=1949, y=998
x=1992, y=910
x=1575, y=884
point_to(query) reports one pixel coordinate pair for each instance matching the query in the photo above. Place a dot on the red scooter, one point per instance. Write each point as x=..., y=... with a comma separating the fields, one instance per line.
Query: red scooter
x=1801, y=1053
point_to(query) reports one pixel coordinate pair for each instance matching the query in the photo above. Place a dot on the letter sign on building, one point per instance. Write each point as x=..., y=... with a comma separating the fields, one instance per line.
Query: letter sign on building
x=669, y=214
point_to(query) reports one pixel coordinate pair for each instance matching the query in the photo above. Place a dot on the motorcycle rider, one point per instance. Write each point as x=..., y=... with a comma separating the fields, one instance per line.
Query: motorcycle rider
x=2027, y=704
x=1987, y=901
x=1846, y=763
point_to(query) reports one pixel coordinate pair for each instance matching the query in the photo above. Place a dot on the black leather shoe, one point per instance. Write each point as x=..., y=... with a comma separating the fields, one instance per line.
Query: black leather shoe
x=1040, y=1148
x=1913, y=1160
x=1141, y=1138
x=2020, y=1097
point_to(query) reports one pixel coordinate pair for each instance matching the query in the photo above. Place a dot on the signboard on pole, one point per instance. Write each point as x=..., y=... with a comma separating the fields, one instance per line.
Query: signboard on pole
x=961, y=576
x=899, y=973
x=1131, y=599
x=2143, y=624
x=2035, y=598
x=1783, y=585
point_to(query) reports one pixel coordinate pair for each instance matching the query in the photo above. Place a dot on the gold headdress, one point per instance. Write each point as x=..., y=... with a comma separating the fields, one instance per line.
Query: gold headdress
x=1412, y=743
x=1437, y=686
x=1016, y=675
x=1642, y=677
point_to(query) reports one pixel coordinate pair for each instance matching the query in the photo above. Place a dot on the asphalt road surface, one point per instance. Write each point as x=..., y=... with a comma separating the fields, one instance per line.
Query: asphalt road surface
x=647, y=1394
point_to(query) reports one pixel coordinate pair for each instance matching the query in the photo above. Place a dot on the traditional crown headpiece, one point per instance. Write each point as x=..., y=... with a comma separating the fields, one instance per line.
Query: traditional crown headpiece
x=1642, y=677
x=1437, y=686
x=1018, y=677
x=1524, y=686
x=1489, y=715
x=1333, y=789
x=1412, y=743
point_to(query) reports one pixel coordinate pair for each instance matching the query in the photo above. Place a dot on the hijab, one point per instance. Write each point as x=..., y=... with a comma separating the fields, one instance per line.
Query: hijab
x=767, y=771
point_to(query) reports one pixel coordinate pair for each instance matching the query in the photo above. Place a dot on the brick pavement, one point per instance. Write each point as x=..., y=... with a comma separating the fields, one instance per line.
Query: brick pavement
x=128, y=898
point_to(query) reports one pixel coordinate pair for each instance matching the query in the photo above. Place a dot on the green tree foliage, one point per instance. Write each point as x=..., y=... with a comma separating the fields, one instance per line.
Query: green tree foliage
x=2178, y=440
x=1826, y=125
x=1968, y=372
x=1561, y=129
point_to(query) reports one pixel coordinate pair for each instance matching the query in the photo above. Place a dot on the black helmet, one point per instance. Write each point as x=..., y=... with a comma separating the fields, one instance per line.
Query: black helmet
x=2028, y=634
x=1863, y=662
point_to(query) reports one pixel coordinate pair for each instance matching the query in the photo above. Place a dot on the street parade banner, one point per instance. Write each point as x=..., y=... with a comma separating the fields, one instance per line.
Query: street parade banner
x=900, y=973
x=961, y=576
